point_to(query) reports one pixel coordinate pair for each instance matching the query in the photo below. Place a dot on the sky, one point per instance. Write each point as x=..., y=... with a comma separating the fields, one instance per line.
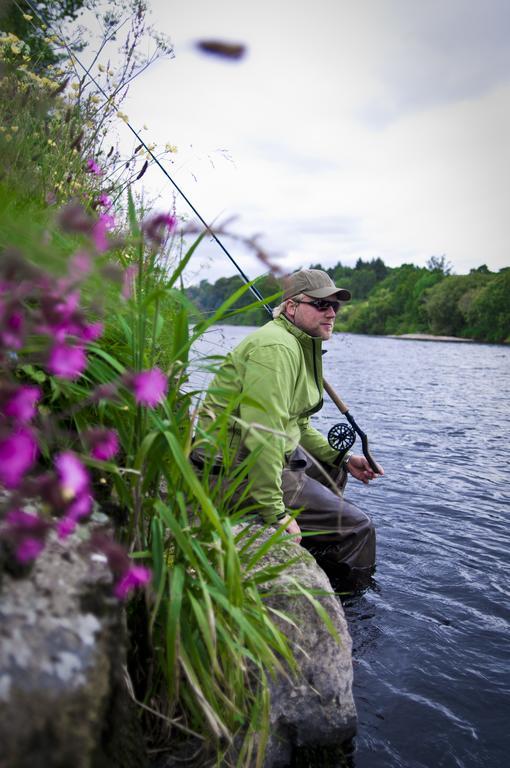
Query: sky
x=350, y=129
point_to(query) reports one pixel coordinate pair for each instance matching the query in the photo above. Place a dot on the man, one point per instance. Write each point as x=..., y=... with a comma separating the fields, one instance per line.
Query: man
x=275, y=376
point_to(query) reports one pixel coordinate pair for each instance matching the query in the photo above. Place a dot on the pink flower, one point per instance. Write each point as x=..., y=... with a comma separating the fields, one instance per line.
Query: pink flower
x=73, y=477
x=66, y=362
x=126, y=576
x=149, y=387
x=28, y=550
x=80, y=507
x=105, y=201
x=80, y=265
x=103, y=443
x=128, y=281
x=91, y=331
x=26, y=533
x=65, y=527
x=92, y=167
x=12, y=332
x=20, y=406
x=155, y=226
x=103, y=225
x=135, y=576
x=18, y=453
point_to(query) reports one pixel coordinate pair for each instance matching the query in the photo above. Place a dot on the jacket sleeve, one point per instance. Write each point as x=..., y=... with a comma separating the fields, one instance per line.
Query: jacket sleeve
x=315, y=443
x=268, y=386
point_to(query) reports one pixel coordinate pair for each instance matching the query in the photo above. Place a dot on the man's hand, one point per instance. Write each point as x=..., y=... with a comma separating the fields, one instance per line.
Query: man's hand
x=291, y=527
x=359, y=468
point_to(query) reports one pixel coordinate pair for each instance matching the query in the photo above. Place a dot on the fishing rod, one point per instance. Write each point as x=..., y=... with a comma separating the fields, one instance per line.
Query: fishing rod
x=340, y=436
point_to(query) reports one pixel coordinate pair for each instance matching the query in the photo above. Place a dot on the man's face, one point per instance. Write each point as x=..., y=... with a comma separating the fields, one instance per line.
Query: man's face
x=308, y=318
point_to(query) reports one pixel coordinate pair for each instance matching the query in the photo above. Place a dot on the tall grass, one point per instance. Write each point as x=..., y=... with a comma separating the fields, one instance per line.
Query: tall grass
x=204, y=641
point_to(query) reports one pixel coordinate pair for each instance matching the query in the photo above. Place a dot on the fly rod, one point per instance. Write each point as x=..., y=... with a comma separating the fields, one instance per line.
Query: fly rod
x=340, y=437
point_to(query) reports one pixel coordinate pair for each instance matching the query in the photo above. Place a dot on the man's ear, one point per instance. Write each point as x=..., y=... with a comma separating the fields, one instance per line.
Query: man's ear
x=290, y=308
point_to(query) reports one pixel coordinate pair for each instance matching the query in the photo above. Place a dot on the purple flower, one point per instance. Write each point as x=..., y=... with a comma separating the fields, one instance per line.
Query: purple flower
x=91, y=331
x=73, y=477
x=156, y=226
x=12, y=330
x=65, y=527
x=135, y=576
x=79, y=265
x=92, y=167
x=149, y=387
x=74, y=218
x=18, y=453
x=103, y=225
x=126, y=576
x=26, y=533
x=103, y=443
x=80, y=507
x=66, y=362
x=28, y=550
x=105, y=201
x=128, y=281
x=20, y=406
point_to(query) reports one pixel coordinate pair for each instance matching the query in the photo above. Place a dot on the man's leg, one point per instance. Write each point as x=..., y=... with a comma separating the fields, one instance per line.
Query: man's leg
x=343, y=533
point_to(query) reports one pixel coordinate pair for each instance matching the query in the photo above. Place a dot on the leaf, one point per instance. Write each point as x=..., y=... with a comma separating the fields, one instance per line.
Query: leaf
x=175, y=588
x=133, y=221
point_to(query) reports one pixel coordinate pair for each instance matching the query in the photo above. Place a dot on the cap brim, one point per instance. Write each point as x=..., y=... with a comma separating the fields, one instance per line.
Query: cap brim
x=342, y=294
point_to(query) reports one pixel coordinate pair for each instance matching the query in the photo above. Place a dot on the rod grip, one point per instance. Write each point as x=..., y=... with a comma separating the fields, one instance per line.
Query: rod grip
x=342, y=407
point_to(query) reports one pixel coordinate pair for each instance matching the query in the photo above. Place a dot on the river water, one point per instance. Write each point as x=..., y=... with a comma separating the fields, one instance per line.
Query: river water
x=431, y=648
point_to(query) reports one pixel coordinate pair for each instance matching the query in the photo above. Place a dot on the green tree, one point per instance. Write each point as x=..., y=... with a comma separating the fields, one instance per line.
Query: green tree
x=447, y=304
x=489, y=311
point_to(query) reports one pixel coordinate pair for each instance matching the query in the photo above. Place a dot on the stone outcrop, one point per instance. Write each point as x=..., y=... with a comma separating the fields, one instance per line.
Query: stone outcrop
x=316, y=709
x=63, y=698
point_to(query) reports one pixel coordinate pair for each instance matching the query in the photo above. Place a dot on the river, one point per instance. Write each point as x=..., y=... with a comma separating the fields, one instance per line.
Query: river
x=431, y=636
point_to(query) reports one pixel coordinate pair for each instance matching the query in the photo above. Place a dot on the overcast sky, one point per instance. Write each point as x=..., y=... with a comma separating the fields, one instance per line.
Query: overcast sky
x=351, y=128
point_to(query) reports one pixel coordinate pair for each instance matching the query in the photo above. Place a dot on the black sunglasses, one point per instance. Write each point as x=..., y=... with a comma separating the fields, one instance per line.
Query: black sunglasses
x=321, y=304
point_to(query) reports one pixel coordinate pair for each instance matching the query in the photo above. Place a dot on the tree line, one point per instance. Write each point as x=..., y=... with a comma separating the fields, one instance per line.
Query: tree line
x=392, y=300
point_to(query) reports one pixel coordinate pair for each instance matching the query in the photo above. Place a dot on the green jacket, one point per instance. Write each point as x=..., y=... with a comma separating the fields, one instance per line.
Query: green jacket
x=276, y=374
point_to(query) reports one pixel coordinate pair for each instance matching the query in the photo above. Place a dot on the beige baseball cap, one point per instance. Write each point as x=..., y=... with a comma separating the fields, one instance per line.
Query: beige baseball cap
x=315, y=283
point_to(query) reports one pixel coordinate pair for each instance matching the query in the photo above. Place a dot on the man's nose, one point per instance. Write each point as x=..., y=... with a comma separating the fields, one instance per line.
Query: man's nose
x=330, y=312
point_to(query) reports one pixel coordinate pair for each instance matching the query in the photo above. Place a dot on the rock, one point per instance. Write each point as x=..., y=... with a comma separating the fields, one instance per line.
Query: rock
x=316, y=709
x=63, y=698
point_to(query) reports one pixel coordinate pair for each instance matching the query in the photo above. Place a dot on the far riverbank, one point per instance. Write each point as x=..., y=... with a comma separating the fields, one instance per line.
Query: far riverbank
x=429, y=337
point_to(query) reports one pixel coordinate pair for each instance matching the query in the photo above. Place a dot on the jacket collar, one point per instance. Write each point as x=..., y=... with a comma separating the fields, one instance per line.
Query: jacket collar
x=303, y=337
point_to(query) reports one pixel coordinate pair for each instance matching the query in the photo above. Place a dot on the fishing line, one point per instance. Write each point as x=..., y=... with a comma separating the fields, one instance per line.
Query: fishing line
x=339, y=437
x=141, y=141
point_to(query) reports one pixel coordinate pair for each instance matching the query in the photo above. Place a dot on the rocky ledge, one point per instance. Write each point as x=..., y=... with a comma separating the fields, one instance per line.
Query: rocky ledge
x=63, y=695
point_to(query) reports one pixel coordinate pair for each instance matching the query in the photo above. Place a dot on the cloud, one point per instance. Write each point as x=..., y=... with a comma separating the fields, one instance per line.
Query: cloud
x=375, y=128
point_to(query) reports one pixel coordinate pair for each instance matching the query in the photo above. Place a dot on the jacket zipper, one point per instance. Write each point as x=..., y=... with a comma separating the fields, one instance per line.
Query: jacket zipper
x=315, y=372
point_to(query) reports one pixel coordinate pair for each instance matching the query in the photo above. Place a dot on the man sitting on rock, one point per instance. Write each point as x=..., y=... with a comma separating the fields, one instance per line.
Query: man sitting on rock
x=276, y=375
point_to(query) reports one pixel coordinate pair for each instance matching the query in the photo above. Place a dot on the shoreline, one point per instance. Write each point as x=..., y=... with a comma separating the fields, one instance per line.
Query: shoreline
x=429, y=337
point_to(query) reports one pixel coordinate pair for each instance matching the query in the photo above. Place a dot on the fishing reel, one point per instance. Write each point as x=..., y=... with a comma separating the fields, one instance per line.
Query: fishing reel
x=341, y=437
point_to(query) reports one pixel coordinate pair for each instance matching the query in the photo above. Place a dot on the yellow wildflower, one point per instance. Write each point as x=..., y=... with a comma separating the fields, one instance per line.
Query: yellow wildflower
x=122, y=116
x=27, y=17
x=170, y=148
x=15, y=49
x=8, y=137
x=14, y=128
x=75, y=86
x=101, y=68
x=95, y=99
